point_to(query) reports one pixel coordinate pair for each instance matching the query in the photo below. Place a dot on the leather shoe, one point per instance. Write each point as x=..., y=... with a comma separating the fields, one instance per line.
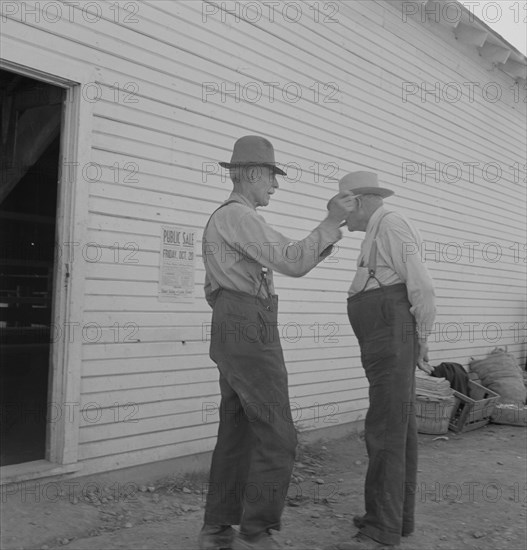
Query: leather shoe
x=363, y=542
x=263, y=541
x=216, y=537
x=358, y=521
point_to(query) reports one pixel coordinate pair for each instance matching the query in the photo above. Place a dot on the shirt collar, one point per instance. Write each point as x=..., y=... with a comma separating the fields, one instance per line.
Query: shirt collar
x=374, y=220
x=240, y=198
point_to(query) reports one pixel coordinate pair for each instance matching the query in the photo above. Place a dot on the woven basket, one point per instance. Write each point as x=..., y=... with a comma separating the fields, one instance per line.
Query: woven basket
x=506, y=413
x=433, y=415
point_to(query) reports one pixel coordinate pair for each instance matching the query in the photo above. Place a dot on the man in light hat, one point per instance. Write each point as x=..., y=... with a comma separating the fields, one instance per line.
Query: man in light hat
x=254, y=455
x=391, y=308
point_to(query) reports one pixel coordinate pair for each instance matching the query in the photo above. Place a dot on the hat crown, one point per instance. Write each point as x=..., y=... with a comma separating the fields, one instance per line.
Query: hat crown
x=358, y=180
x=253, y=150
x=363, y=183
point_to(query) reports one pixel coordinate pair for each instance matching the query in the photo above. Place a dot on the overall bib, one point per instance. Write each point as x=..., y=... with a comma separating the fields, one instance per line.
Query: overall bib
x=382, y=322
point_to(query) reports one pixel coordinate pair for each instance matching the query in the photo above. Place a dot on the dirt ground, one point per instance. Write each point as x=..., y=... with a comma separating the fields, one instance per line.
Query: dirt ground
x=472, y=494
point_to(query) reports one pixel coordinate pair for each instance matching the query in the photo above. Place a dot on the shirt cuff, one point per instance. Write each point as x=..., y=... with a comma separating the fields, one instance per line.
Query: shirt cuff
x=330, y=235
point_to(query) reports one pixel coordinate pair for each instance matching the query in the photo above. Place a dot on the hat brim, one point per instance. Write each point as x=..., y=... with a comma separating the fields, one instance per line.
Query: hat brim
x=275, y=168
x=381, y=191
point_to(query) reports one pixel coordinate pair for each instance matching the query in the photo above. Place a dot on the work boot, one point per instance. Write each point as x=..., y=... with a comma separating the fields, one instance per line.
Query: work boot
x=216, y=537
x=262, y=541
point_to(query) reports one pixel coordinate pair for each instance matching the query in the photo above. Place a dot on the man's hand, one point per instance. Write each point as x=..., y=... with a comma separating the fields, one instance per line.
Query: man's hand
x=340, y=206
x=422, y=357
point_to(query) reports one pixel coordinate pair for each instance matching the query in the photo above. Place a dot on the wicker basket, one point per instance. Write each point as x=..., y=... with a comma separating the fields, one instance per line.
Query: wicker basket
x=511, y=414
x=473, y=412
x=433, y=415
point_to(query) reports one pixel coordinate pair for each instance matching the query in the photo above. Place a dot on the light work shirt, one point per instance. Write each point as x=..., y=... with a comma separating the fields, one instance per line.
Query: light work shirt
x=398, y=261
x=238, y=242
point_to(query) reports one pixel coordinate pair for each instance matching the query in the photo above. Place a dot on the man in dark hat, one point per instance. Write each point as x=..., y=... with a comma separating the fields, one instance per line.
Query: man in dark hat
x=254, y=455
x=391, y=308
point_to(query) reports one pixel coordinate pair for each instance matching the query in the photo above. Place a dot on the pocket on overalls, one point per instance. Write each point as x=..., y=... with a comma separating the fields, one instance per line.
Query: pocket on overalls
x=268, y=328
x=386, y=310
x=262, y=328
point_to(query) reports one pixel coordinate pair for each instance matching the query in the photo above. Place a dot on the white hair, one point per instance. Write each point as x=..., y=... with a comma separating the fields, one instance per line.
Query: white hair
x=372, y=199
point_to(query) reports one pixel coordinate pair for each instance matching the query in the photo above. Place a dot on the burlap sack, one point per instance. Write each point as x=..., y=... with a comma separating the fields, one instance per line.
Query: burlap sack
x=500, y=372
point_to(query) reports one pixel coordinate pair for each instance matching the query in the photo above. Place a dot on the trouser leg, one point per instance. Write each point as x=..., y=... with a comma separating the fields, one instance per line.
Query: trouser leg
x=230, y=461
x=388, y=358
x=246, y=347
x=272, y=460
x=410, y=483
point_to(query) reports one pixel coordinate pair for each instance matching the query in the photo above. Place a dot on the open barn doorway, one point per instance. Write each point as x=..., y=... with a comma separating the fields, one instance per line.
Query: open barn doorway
x=30, y=124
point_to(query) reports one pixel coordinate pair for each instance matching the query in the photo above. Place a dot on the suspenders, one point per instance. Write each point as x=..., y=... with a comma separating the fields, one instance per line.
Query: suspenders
x=264, y=271
x=219, y=208
x=372, y=261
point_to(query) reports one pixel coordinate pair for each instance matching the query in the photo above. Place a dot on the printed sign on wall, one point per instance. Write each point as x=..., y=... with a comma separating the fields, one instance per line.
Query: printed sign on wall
x=176, y=272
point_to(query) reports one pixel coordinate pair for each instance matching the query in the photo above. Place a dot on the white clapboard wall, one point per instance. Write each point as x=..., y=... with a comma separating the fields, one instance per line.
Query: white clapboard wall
x=172, y=121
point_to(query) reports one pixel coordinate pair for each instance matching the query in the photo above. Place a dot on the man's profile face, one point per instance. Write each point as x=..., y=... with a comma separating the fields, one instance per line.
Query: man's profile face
x=264, y=184
x=355, y=219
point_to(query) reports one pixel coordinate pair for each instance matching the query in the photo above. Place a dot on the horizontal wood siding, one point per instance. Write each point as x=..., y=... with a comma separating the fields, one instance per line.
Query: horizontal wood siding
x=149, y=389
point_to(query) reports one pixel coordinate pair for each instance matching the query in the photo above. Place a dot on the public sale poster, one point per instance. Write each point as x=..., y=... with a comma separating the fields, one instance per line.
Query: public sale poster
x=176, y=271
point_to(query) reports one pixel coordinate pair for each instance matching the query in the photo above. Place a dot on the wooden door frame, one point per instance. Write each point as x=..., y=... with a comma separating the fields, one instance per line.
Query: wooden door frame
x=62, y=433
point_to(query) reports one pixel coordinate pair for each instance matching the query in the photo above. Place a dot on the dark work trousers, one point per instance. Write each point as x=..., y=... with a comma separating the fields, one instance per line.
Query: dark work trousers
x=255, y=451
x=385, y=328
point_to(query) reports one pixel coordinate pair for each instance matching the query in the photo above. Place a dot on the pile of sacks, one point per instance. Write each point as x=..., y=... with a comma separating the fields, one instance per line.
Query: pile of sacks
x=500, y=372
x=434, y=402
x=432, y=388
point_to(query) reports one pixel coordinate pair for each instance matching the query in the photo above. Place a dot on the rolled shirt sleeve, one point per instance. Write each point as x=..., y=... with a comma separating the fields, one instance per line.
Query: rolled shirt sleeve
x=395, y=241
x=238, y=242
x=254, y=238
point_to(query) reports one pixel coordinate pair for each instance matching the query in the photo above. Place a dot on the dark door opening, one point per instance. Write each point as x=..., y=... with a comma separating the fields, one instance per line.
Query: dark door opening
x=31, y=114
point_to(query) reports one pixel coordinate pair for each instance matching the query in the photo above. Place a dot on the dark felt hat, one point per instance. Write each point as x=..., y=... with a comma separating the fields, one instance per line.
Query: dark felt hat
x=253, y=151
